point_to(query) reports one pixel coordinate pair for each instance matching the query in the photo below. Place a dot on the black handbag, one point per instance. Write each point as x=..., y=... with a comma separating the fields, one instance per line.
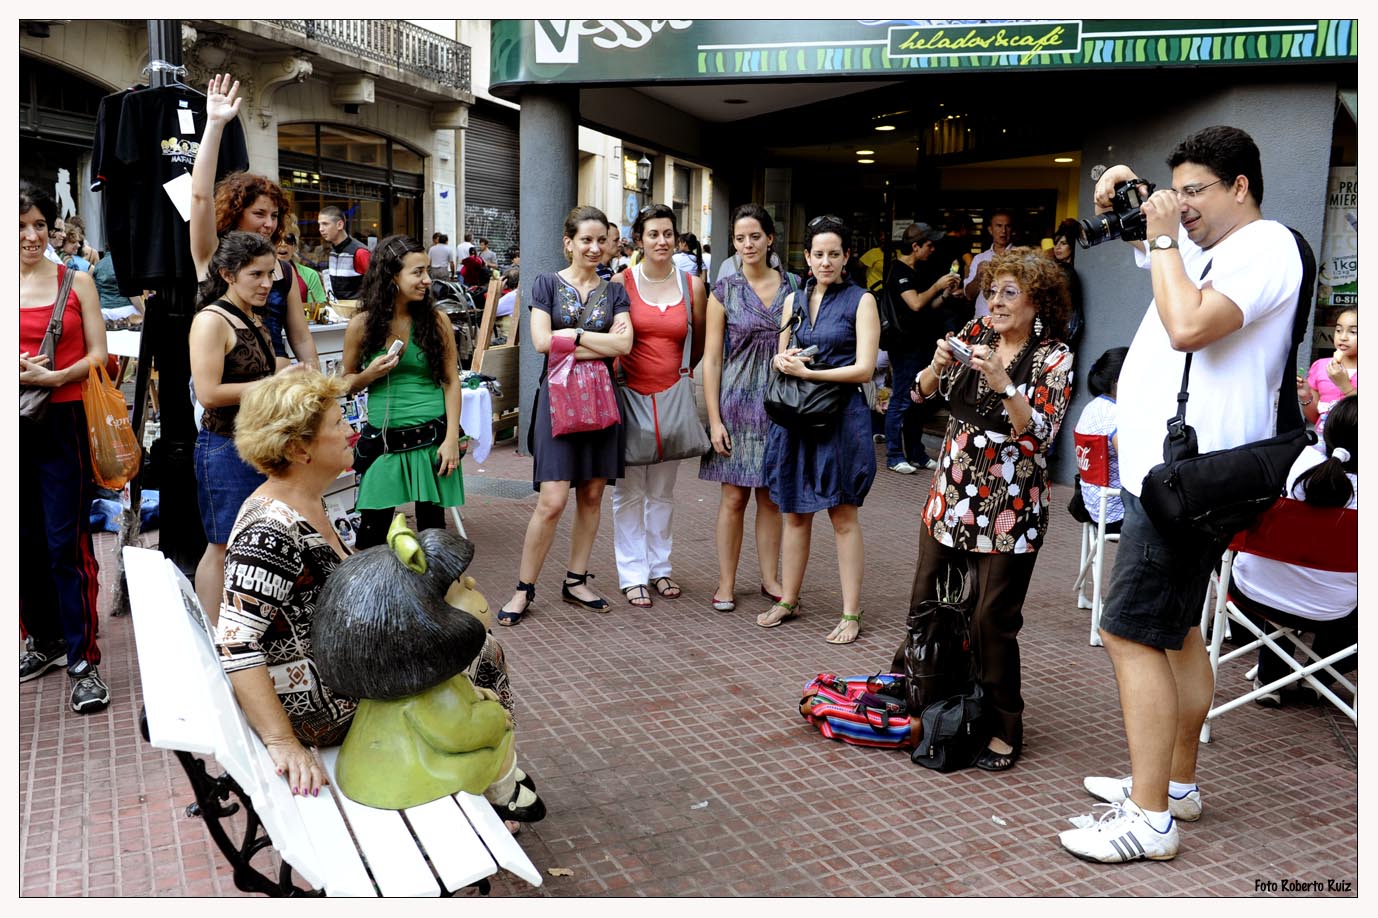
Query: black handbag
x=33, y=400
x=1211, y=496
x=953, y=736
x=804, y=405
x=935, y=655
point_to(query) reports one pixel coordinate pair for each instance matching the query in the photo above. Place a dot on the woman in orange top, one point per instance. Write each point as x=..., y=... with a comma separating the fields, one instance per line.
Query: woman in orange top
x=58, y=574
x=642, y=502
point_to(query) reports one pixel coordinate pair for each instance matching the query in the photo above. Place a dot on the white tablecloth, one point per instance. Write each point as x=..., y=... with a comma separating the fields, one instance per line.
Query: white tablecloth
x=476, y=417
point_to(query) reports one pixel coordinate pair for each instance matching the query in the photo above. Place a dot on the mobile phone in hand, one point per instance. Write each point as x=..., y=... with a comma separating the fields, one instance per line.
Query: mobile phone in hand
x=808, y=351
x=396, y=347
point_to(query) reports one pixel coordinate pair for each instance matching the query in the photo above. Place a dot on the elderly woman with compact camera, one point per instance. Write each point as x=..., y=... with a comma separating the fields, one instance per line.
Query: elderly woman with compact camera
x=1007, y=378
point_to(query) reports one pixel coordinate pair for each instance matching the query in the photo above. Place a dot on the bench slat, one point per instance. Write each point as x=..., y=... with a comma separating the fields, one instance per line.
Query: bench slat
x=456, y=851
x=386, y=843
x=500, y=842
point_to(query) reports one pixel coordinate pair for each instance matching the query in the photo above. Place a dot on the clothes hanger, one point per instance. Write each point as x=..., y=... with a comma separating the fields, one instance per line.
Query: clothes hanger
x=175, y=69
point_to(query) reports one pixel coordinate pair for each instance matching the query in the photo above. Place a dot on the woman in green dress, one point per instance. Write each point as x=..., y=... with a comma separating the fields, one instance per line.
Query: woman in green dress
x=413, y=394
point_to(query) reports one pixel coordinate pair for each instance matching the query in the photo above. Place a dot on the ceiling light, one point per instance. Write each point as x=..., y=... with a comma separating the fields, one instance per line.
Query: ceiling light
x=866, y=162
x=1063, y=159
x=734, y=101
x=864, y=152
x=885, y=127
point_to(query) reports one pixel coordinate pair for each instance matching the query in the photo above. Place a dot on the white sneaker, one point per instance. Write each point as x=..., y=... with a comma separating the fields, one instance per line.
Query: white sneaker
x=1122, y=834
x=930, y=464
x=903, y=467
x=1116, y=790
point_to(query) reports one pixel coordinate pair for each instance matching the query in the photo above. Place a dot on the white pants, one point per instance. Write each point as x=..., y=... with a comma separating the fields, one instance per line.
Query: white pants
x=642, y=510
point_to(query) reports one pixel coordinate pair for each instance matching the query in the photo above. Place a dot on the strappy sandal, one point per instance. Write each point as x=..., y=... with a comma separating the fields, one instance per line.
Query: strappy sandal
x=846, y=620
x=593, y=605
x=791, y=610
x=666, y=587
x=642, y=600
x=510, y=618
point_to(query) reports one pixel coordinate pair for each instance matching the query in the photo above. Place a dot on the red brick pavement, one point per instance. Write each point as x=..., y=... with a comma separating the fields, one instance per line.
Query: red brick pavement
x=669, y=750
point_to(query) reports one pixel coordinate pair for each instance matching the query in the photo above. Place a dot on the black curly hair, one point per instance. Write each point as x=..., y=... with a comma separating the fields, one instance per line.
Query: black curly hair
x=378, y=296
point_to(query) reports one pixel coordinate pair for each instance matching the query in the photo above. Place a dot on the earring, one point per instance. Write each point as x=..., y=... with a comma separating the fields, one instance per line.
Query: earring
x=1038, y=327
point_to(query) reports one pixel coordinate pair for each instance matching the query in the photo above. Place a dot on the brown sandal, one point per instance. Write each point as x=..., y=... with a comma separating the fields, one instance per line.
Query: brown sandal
x=642, y=601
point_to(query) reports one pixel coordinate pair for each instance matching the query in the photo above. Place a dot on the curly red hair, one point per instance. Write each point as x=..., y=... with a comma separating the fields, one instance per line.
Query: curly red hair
x=237, y=192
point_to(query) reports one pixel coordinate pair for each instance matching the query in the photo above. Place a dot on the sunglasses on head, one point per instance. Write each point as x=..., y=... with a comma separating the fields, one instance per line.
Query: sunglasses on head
x=817, y=220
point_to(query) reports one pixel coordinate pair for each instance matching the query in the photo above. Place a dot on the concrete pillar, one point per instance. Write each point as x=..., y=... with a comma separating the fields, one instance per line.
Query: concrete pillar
x=548, y=138
x=722, y=222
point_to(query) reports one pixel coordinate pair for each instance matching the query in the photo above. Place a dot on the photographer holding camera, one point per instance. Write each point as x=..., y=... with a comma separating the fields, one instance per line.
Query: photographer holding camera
x=1225, y=281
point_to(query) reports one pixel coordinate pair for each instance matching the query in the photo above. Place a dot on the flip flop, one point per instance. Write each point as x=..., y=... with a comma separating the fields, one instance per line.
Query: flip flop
x=847, y=619
x=666, y=587
x=791, y=610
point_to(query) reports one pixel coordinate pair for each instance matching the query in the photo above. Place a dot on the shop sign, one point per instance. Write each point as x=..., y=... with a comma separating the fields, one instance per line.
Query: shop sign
x=1025, y=40
x=639, y=51
x=1339, y=268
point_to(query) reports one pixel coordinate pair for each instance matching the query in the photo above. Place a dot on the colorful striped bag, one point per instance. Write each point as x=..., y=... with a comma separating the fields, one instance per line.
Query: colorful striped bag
x=861, y=710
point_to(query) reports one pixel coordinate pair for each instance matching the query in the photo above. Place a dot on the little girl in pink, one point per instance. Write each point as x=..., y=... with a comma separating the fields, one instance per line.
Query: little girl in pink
x=1331, y=379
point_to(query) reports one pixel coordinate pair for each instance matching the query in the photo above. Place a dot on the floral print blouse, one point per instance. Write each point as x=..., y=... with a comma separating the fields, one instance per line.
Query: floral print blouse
x=990, y=492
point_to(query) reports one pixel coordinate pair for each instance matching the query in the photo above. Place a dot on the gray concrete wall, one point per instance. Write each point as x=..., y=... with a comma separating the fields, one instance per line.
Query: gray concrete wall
x=549, y=169
x=1292, y=124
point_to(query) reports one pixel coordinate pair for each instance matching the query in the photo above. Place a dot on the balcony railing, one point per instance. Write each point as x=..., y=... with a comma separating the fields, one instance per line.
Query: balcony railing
x=391, y=41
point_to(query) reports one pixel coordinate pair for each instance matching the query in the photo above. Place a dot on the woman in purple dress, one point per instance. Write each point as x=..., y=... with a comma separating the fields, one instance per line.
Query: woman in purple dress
x=743, y=329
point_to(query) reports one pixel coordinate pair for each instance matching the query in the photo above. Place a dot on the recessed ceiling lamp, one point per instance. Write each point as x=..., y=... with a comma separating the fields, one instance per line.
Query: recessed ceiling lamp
x=866, y=162
x=1063, y=159
x=864, y=152
x=885, y=127
x=734, y=101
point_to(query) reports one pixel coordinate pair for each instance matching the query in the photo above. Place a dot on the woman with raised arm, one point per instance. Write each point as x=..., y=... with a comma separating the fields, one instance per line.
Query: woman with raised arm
x=248, y=203
x=742, y=333
x=574, y=303
x=807, y=472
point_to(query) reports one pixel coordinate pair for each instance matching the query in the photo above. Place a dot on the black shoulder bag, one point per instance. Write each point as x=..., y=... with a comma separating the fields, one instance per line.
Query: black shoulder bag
x=1191, y=495
x=804, y=405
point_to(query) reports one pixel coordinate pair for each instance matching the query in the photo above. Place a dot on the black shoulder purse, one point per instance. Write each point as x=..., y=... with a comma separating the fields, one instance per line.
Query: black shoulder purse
x=1192, y=495
x=804, y=405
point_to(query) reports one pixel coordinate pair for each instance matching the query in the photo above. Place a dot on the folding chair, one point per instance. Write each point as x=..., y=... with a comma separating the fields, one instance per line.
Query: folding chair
x=1093, y=464
x=1294, y=532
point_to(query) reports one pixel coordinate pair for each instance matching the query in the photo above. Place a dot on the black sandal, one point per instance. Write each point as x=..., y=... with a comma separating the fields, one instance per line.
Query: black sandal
x=593, y=605
x=990, y=760
x=509, y=618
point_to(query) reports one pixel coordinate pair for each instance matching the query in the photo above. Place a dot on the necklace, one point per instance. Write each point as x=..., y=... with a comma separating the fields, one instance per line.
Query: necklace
x=641, y=272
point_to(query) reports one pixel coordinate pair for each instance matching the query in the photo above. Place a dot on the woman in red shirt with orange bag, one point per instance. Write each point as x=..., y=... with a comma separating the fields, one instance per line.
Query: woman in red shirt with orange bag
x=643, y=500
x=58, y=574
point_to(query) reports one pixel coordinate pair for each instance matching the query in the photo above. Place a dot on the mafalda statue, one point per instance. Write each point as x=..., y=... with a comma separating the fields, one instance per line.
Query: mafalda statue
x=390, y=631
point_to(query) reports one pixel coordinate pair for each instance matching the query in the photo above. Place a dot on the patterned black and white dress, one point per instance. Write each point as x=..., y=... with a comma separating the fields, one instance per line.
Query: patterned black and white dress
x=276, y=564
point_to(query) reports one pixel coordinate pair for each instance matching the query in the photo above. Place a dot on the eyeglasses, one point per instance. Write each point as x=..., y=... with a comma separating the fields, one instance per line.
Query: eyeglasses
x=817, y=220
x=1190, y=192
x=1007, y=292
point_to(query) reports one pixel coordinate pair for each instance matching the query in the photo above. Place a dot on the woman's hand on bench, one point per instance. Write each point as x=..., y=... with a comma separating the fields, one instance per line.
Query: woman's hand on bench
x=295, y=762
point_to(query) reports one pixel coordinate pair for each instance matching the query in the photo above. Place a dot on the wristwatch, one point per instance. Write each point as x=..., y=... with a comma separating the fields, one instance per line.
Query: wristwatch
x=1164, y=242
x=1010, y=391
x=578, y=335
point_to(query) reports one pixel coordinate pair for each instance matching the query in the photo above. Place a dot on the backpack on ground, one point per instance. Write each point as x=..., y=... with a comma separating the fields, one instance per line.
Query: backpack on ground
x=860, y=710
x=952, y=736
x=935, y=655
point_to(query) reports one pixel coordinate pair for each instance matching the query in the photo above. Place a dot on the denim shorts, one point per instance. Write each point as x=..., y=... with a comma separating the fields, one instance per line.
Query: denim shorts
x=223, y=481
x=1159, y=585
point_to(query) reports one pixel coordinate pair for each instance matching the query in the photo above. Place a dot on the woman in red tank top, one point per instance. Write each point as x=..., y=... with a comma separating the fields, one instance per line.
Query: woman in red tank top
x=58, y=575
x=643, y=500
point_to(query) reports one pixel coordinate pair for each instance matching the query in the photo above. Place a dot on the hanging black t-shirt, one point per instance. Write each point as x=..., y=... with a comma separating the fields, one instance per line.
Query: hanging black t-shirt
x=150, y=149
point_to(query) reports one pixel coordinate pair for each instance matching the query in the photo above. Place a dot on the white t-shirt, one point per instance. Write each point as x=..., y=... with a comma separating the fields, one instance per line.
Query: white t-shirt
x=1318, y=595
x=506, y=302
x=1098, y=418
x=1234, y=381
x=462, y=251
x=982, y=307
x=685, y=262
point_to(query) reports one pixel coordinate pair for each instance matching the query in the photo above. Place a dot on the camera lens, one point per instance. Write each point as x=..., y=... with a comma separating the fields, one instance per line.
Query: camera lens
x=1098, y=229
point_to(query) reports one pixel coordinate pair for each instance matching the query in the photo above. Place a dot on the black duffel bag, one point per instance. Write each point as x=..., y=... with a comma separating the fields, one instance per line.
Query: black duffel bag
x=935, y=655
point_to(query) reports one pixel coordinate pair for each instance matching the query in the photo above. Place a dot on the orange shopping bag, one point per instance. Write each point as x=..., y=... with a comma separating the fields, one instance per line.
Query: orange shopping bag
x=115, y=451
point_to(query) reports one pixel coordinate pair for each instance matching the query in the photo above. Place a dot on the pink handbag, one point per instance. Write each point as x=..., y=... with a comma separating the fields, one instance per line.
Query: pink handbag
x=580, y=391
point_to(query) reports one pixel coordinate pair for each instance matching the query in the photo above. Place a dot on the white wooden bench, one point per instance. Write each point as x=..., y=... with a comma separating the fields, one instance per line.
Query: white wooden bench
x=338, y=847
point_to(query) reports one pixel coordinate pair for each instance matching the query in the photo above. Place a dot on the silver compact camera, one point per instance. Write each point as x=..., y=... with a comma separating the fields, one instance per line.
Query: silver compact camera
x=960, y=352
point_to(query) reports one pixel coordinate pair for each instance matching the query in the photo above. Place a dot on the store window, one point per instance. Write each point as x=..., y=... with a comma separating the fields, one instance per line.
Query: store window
x=374, y=180
x=679, y=201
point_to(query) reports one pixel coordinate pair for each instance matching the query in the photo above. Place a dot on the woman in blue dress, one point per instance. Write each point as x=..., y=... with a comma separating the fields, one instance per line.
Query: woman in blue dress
x=833, y=470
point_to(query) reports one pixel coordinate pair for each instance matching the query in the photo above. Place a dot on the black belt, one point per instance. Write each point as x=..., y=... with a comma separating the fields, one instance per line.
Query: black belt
x=374, y=441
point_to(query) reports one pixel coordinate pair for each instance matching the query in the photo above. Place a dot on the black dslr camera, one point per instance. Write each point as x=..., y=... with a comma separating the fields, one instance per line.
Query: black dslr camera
x=1126, y=221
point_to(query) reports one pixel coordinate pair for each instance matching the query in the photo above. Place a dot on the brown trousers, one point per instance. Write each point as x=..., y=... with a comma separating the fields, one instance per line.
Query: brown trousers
x=1002, y=582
